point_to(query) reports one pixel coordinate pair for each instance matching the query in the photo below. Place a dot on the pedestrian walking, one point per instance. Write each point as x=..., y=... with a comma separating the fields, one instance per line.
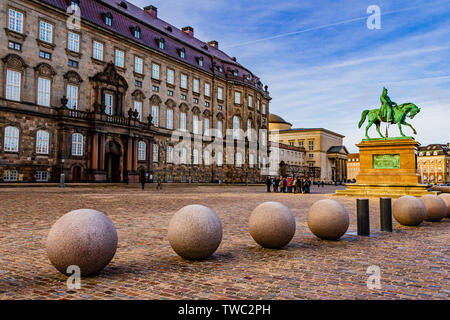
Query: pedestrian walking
x=143, y=179
x=268, y=183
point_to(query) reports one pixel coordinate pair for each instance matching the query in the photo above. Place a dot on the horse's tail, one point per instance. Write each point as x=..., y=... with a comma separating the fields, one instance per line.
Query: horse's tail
x=363, y=118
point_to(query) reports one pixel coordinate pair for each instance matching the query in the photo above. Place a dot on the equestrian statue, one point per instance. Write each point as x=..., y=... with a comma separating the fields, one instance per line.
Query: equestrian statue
x=391, y=113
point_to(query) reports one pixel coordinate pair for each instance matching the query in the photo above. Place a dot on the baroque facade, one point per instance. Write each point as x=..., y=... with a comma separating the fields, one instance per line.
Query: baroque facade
x=96, y=92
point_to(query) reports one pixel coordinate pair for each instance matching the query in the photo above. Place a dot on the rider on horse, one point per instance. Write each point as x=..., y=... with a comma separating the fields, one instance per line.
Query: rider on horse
x=386, y=106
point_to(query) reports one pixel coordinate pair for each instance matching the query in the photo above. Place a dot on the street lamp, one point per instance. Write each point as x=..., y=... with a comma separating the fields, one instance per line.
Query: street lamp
x=62, y=172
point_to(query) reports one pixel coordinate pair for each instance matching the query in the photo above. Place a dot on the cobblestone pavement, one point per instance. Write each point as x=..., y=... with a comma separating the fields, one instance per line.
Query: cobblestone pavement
x=414, y=261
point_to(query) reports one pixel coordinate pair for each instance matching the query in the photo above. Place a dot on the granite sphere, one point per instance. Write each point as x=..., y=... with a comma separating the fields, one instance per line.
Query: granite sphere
x=195, y=232
x=328, y=219
x=446, y=198
x=436, y=207
x=409, y=211
x=272, y=225
x=85, y=238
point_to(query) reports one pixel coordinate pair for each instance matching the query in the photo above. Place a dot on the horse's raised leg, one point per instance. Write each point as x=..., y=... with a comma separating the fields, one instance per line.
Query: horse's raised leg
x=414, y=130
x=378, y=129
x=400, y=129
x=367, y=129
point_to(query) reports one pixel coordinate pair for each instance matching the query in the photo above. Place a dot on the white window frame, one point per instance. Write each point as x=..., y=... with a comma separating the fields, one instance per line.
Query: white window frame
x=97, y=50
x=250, y=101
x=170, y=76
x=15, y=20
x=77, y=144
x=155, y=71
x=195, y=157
x=196, y=85
x=45, y=31
x=155, y=116
x=44, y=91
x=220, y=93
x=72, y=96
x=41, y=176
x=169, y=155
x=236, y=127
x=119, y=58
x=73, y=41
x=195, y=124
x=142, y=151
x=169, y=118
x=42, y=142
x=207, y=89
x=249, y=130
x=237, y=97
x=183, y=118
x=13, y=84
x=183, y=81
x=138, y=65
x=11, y=139
x=109, y=103
x=155, y=153
x=10, y=175
x=138, y=107
x=219, y=128
x=206, y=126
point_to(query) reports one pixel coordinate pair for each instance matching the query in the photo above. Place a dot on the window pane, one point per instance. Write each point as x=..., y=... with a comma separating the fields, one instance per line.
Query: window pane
x=155, y=115
x=74, y=42
x=42, y=141
x=155, y=71
x=46, y=32
x=13, y=84
x=11, y=139
x=155, y=153
x=169, y=119
x=15, y=22
x=170, y=76
x=138, y=108
x=44, y=92
x=138, y=65
x=72, y=96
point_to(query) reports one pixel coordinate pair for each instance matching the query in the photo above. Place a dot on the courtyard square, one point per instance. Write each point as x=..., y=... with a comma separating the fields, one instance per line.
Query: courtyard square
x=413, y=261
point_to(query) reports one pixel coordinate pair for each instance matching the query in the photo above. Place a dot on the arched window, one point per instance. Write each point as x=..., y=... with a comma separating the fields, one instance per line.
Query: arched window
x=11, y=142
x=219, y=158
x=195, y=124
x=206, y=158
x=238, y=159
x=108, y=19
x=236, y=127
x=42, y=142
x=161, y=43
x=195, y=156
x=77, y=144
x=142, y=150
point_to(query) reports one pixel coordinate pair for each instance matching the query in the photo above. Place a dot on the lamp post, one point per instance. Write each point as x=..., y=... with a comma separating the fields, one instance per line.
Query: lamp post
x=62, y=172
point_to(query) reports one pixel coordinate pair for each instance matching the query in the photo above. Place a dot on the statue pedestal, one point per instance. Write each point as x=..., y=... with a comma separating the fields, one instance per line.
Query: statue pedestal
x=387, y=168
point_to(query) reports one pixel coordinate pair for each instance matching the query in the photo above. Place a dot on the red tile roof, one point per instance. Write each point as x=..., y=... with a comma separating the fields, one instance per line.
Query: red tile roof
x=155, y=28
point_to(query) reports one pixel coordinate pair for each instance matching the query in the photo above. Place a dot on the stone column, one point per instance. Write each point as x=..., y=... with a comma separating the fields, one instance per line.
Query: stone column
x=135, y=154
x=101, y=157
x=94, y=152
x=129, y=154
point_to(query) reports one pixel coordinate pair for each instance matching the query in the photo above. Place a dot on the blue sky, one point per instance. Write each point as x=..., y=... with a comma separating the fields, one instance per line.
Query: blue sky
x=324, y=66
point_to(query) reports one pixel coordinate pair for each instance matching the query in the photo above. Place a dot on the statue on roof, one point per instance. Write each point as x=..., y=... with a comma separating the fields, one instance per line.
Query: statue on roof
x=390, y=113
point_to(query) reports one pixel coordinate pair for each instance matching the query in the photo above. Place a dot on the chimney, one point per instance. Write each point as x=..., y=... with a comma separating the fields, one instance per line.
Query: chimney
x=189, y=31
x=214, y=44
x=152, y=10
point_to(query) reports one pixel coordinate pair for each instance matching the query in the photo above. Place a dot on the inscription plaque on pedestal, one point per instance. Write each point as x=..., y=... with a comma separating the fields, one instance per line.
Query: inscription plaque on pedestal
x=386, y=161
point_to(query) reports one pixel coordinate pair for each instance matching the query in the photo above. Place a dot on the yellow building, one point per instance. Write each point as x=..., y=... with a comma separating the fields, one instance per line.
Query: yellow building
x=326, y=156
x=352, y=166
x=433, y=163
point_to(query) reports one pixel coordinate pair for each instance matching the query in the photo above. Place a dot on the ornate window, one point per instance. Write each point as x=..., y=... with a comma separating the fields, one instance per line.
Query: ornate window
x=109, y=101
x=119, y=58
x=11, y=142
x=155, y=116
x=155, y=71
x=169, y=118
x=169, y=156
x=15, y=21
x=97, y=50
x=138, y=65
x=77, y=144
x=155, y=153
x=195, y=157
x=43, y=95
x=42, y=142
x=138, y=108
x=236, y=127
x=45, y=32
x=73, y=41
x=183, y=121
x=13, y=84
x=142, y=150
x=72, y=96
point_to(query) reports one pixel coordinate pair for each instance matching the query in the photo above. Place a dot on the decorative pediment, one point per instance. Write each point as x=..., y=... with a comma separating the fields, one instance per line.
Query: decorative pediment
x=110, y=76
x=155, y=99
x=196, y=110
x=45, y=70
x=73, y=77
x=14, y=61
x=170, y=103
x=184, y=107
x=138, y=95
x=220, y=116
x=206, y=113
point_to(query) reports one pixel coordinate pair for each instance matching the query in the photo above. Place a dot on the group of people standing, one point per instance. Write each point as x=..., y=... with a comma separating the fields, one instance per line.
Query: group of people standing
x=289, y=184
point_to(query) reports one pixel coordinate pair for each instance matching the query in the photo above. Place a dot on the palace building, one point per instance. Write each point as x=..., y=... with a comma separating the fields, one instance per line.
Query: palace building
x=95, y=89
x=433, y=163
x=353, y=166
x=326, y=156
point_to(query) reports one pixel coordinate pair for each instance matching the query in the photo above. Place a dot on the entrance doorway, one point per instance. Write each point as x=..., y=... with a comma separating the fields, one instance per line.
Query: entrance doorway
x=112, y=161
x=76, y=174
